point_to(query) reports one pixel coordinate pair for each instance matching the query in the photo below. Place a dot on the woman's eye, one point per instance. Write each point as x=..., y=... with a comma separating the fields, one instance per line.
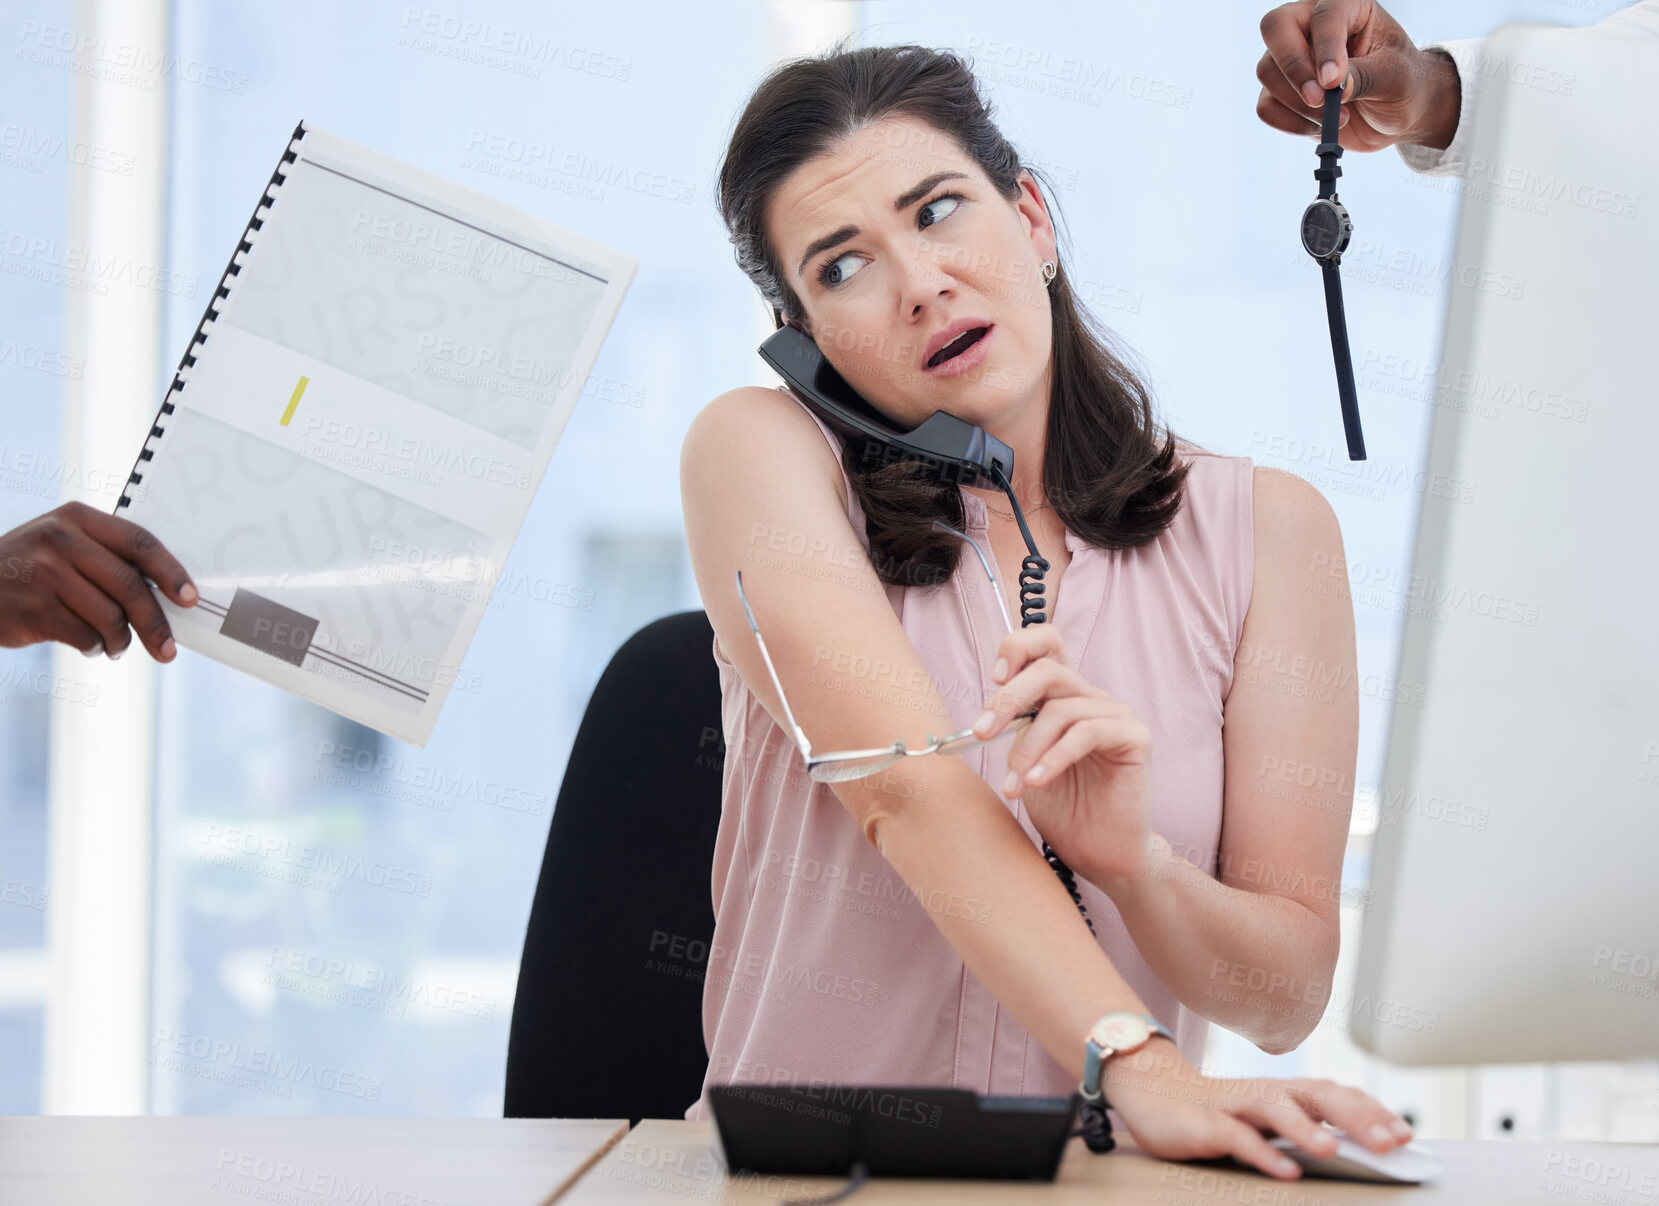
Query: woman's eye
x=830, y=274
x=951, y=197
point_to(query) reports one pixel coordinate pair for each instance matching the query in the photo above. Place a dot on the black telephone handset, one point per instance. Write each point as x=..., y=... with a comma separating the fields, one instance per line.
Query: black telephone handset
x=956, y=450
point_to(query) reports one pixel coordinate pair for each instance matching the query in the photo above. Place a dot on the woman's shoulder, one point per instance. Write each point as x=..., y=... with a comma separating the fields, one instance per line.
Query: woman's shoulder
x=752, y=424
x=1263, y=492
x=750, y=403
x=755, y=419
x=756, y=413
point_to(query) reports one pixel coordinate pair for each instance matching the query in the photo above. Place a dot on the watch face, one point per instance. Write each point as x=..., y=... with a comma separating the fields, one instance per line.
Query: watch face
x=1121, y=1031
x=1325, y=229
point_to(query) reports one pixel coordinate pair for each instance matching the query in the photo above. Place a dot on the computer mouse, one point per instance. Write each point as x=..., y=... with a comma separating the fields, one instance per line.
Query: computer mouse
x=1405, y=1165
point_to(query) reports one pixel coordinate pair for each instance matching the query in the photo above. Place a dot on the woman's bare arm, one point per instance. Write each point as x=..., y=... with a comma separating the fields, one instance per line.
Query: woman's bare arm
x=1254, y=947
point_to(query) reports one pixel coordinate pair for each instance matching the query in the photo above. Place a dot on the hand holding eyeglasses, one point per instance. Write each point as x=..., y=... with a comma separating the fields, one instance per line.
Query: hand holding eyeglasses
x=1082, y=766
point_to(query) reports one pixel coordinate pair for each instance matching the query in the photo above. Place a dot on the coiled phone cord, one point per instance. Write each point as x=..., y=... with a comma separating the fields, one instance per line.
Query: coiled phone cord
x=1032, y=570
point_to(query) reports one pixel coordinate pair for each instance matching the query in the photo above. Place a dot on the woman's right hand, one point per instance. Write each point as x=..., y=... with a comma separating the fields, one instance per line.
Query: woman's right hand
x=1177, y=1114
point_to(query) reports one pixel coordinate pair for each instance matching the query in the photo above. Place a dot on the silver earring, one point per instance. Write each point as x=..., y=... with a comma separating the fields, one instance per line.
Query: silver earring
x=1050, y=270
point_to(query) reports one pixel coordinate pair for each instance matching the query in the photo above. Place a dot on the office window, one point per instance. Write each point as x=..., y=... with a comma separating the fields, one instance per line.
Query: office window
x=643, y=577
x=34, y=156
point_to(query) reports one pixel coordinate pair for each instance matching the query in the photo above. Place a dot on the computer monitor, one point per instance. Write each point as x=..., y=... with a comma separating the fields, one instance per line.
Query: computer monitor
x=1515, y=865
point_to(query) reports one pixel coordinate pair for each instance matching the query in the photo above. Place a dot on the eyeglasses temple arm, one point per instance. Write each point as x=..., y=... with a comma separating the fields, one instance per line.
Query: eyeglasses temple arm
x=1002, y=604
x=800, y=737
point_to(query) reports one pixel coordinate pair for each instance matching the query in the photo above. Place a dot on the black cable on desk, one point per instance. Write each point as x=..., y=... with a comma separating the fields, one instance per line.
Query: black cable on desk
x=860, y=1175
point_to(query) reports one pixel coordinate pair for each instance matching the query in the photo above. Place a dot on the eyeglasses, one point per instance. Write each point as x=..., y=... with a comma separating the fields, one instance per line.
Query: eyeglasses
x=857, y=764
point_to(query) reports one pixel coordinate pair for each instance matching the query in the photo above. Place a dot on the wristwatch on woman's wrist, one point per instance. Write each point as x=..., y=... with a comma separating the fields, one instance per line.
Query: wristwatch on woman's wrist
x=1117, y=1033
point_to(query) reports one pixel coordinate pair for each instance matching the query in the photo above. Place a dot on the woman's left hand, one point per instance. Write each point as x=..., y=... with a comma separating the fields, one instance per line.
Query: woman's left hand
x=1081, y=766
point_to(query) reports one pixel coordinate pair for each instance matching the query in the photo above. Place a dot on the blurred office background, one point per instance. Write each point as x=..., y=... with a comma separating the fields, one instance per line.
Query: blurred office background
x=144, y=969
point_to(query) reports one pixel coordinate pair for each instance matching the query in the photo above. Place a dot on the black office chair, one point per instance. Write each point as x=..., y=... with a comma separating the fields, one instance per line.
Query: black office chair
x=607, y=1022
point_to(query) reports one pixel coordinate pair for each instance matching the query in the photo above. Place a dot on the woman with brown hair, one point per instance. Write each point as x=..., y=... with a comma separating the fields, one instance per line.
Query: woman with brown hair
x=903, y=928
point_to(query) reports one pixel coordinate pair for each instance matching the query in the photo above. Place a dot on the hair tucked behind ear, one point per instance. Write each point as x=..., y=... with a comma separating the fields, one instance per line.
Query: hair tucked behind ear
x=1110, y=470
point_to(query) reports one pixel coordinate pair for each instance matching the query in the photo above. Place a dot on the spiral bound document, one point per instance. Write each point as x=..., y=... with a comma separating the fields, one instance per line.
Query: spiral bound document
x=354, y=435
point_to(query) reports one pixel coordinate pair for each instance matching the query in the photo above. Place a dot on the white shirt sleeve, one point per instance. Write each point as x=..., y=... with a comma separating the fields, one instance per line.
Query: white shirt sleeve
x=1467, y=54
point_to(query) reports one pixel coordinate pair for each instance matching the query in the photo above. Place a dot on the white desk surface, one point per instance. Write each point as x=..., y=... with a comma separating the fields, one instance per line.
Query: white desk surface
x=184, y=1161
x=670, y=1160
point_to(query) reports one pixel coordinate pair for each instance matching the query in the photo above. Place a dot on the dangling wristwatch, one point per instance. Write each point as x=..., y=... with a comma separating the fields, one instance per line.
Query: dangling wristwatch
x=1326, y=229
x=1117, y=1033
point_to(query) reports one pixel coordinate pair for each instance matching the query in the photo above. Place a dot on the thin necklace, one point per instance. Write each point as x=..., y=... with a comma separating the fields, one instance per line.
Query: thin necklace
x=1010, y=514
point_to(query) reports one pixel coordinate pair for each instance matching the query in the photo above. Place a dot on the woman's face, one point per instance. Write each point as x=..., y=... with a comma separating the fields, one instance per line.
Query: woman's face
x=922, y=244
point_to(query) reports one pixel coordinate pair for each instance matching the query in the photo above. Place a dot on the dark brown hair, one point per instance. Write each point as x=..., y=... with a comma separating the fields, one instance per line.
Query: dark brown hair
x=1110, y=471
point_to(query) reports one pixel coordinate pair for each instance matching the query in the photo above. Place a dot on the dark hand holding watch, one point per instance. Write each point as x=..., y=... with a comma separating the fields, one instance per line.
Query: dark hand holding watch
x=1326, y=229
x=1117, y=1033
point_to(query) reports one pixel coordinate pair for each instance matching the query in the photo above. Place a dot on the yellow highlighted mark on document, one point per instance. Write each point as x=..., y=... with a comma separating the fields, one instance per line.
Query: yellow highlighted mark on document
x=295, y=400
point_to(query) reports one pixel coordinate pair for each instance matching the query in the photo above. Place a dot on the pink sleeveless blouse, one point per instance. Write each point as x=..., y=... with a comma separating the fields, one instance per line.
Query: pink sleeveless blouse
x=824, y=968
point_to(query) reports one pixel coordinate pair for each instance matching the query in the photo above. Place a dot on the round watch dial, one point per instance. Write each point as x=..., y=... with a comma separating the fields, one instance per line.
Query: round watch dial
x=1325, y=229
x=1121, y=1031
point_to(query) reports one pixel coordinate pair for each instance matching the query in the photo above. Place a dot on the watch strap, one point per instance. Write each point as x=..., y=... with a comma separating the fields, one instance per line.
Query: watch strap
x=1094, y=1059
x=1095, y=1125
x=1329, y=149
x=1344, y=360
